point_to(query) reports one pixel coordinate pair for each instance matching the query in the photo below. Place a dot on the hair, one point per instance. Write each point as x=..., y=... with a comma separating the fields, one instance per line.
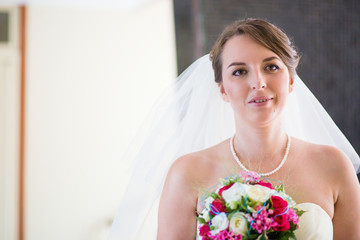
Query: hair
x=264, y=33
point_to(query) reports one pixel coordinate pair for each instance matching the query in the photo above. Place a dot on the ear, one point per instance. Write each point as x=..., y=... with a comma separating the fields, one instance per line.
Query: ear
x=223, y=93
x=291, y=84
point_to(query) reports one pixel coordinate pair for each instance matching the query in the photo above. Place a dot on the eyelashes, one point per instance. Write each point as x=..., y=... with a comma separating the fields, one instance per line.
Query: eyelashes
x=272, y=67
x=268, y=68
x=239, y=72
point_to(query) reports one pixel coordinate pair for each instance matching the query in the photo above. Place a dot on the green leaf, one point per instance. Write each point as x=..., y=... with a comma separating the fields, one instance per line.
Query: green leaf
x=254, y=235
x=250, y=237
x=280, y=188
x=214, y=195
x=299, y=212
x=262, y=237
x=292, y=236
x=201, y=220
x=232, y=205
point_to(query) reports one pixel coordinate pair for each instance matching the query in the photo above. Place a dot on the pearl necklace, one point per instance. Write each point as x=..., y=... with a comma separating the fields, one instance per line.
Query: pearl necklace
x=261, y=174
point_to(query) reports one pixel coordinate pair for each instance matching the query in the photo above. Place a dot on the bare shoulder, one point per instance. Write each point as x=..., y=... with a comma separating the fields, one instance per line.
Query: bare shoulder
x=202, y=169
x=185, y=178
x=331, y=169
x=190, y=162
x=328, y=165
x=193, y=166
x=324, y=158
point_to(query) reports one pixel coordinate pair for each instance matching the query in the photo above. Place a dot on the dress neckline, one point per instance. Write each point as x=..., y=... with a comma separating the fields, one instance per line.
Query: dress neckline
x=316, y=205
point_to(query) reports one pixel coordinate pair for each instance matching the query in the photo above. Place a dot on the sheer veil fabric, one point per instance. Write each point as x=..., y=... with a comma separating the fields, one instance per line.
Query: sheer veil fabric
x=192, y=116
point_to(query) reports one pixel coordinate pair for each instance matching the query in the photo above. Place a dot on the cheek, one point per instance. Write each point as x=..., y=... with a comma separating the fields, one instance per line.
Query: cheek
x=235, y=91
x=282, y=94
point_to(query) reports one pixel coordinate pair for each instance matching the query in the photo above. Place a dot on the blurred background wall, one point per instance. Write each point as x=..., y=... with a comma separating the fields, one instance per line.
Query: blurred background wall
x=326, y=34
x=92, y=74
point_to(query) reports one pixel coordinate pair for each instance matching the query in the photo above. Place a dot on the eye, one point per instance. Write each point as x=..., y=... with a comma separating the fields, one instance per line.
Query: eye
x=272, y=67
x=239, y=72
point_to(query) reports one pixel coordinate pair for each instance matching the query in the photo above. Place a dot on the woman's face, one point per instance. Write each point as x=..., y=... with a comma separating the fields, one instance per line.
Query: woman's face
x=255, y=81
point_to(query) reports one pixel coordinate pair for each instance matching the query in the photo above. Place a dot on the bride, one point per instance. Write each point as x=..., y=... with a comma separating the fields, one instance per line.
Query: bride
x=256, y=116
x=254, y=67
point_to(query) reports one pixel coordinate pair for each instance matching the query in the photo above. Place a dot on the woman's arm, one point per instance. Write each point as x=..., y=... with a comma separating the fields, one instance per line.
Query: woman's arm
x=346, y=218
x=177, y=209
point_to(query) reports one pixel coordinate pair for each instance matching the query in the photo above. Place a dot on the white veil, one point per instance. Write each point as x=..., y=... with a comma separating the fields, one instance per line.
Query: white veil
x=192, y=116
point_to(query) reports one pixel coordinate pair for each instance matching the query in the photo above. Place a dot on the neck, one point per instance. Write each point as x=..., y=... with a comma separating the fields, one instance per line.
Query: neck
x=260, y=149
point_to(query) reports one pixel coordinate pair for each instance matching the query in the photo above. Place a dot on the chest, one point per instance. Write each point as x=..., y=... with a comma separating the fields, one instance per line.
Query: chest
x=311, y=190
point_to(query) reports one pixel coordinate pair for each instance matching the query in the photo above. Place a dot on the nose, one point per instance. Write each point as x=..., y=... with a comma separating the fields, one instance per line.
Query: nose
x=258, y=81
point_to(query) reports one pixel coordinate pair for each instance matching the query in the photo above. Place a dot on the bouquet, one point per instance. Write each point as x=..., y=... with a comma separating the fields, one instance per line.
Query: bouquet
x=244, y=207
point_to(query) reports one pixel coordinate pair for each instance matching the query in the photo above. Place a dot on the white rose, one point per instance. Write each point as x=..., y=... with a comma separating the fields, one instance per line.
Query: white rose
x=220, y=222
x=234, y=193
x=207, y=202
x=239, y=224
x=258, y=193
x=205, y=214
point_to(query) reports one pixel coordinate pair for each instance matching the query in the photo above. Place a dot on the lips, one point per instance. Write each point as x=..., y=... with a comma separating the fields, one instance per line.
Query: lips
x=260, y=99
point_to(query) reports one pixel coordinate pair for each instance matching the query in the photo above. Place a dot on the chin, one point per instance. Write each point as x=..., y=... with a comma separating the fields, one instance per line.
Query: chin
x=262, y=120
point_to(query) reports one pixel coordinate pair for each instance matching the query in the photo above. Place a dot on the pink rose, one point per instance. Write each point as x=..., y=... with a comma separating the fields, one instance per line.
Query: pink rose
x=265, y=184
x=279, y=203
x=281, y=222
x=250, y=176
x=217, y=206
x=204, y=230
x=224, y=188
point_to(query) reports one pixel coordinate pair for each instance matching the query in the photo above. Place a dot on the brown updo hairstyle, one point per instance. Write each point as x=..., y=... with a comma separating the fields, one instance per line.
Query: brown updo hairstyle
x=264, y=33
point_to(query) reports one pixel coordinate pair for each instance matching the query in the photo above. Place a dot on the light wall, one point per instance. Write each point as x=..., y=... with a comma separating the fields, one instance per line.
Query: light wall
x=92, y=75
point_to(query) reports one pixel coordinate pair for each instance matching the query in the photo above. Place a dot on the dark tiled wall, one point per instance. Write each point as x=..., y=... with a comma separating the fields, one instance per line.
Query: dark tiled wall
x=326, y=33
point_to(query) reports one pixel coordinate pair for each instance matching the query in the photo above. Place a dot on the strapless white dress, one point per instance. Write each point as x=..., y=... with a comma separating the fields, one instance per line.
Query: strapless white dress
x=314, y=224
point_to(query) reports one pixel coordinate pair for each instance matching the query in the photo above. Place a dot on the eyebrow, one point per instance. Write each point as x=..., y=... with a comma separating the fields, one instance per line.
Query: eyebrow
x=236, y=64
x=243, y=64
x=271, y=58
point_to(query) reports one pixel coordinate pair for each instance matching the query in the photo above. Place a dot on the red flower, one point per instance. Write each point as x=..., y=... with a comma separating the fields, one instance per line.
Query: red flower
x=204, y=230
x=224, y=188
x=281, y=222
x=279, y=203
x=265, y=184
x=217, y=206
